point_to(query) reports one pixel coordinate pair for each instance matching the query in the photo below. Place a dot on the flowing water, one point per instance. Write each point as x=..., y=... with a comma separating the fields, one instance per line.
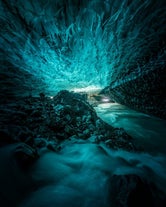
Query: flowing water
x=148, y=131
x=79, y=175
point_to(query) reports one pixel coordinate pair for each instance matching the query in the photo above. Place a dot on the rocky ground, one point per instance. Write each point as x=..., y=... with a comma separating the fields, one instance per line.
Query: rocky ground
x=38, y=121
x=47, y=122
x=34, y=125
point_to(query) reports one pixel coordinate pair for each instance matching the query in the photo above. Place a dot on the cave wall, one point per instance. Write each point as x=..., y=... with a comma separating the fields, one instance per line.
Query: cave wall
x=139, y=80
x=145, y=93
x=48, y=46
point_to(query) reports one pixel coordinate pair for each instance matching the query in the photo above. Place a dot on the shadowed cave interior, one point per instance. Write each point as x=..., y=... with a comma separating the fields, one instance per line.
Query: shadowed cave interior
x=82, y=104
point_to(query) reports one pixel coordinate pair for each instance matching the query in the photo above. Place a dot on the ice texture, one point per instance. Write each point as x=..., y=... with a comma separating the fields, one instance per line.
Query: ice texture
x=52, y=45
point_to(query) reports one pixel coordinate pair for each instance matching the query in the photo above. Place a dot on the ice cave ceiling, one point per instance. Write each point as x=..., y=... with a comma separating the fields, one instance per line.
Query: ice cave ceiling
x=50, y=45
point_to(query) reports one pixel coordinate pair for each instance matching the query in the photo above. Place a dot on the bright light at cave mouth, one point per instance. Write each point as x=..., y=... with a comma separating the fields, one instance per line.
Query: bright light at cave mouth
x=88, y=89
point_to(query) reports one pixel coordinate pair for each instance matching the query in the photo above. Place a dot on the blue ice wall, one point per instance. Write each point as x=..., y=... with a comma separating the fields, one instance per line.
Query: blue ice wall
x=49, y=45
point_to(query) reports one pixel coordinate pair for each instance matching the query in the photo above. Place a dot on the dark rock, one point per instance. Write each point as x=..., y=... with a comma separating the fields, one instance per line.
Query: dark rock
x=42, y=96
x=132, y=191
x=67, y=114
x=25, y=155
x=76, y=101
x=94, y=139
x=40, y=142
x=119, y=139
x=53, y=146
x=119, y=133
x=5, y=137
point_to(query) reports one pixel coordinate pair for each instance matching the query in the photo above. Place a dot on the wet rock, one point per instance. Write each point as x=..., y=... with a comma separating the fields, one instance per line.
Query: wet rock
x=42, y=96
x=5, y=137
x=67, y=114
x=25, y=155
x=40, y=142
x=132, y=191
x=53, y=146
x=86, y=132
x=94, y=139
x=119, y=139
x=120, y=134
x=76, y=101
x=109, y=142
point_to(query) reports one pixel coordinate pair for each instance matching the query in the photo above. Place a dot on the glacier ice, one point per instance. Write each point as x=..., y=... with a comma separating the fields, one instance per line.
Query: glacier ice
x=53, y=45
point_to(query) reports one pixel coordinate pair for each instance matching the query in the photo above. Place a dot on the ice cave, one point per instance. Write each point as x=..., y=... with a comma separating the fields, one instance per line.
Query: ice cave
x=82, y=106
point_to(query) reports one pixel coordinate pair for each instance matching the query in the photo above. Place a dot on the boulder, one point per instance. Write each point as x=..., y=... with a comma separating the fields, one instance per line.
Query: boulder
x=25, y=155
x=132, y=191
